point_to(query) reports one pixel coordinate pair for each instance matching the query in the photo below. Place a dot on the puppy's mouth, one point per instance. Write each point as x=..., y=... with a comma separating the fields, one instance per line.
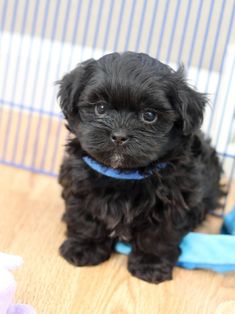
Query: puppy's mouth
x=116, y=161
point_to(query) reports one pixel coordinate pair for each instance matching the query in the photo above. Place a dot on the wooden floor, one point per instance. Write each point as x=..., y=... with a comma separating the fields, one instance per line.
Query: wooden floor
x=30, y=226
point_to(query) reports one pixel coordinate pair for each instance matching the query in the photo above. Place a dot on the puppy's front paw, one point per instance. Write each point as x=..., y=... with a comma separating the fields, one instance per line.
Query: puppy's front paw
x=81, y=253
x=148, y=269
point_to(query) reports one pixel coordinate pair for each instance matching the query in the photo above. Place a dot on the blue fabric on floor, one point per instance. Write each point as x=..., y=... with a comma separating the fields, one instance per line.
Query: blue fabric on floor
x=204, y=251
x=229, y=223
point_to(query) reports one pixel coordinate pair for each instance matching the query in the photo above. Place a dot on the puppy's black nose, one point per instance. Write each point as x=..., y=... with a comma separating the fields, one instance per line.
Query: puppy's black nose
x=119, y=137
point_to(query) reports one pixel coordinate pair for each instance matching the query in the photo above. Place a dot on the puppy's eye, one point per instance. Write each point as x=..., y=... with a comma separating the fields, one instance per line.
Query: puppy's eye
x=100, y=109
x=149, y=116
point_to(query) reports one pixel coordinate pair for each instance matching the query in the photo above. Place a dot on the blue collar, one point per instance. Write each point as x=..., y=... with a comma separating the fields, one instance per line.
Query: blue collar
x=120, y=174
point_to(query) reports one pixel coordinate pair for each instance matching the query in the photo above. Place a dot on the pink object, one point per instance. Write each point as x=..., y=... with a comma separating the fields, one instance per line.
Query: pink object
x=8, y=286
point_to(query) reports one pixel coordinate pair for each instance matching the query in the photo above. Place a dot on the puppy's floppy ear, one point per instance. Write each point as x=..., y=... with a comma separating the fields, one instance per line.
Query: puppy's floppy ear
x=72, y=85
x=189, y=103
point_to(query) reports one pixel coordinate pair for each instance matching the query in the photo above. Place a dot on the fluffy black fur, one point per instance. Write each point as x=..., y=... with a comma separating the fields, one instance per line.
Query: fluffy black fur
x=152, y=214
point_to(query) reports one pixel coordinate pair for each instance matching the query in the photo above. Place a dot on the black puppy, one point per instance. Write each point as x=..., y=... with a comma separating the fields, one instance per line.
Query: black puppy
x=137, y=117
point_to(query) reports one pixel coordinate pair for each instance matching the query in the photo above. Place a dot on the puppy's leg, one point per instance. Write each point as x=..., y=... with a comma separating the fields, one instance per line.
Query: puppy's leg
x=88, y=242
x=154, y=255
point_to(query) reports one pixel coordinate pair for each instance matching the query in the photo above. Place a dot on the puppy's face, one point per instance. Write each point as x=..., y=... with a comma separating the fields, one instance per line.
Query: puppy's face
x=120, y=133
x=129, y=110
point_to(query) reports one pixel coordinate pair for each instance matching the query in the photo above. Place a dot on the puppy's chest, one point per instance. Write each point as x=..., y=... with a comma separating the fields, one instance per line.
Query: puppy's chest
x=121, y=232
x=121, y=210
x=118, y=215
x=119, y=219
